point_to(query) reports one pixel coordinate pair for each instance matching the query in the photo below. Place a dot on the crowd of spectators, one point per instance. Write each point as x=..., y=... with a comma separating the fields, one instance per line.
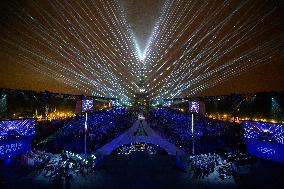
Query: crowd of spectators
x=204, y=164
x=102, y=127
x=35, y=158
x=62, y=167
x=225, y=165
x=207, y=134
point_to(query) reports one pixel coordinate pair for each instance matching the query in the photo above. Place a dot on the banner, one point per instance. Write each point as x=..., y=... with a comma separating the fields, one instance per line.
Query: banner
x=10, y=148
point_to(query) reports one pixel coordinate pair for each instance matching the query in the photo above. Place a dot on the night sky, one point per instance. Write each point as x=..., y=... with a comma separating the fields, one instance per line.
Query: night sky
x=105, y=47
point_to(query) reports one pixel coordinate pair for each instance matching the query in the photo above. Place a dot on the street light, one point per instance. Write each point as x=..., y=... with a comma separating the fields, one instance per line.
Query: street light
x=192, y=132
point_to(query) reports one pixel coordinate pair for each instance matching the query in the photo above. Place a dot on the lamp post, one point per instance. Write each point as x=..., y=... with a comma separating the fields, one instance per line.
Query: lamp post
x=192, y=133
x=85, y=131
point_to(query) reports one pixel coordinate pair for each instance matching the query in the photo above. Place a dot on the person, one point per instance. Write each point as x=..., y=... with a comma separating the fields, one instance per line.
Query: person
x=67, y=169
x=81, y=168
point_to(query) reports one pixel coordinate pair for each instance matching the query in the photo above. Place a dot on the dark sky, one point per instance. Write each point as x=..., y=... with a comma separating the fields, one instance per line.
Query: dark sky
x=17, y=29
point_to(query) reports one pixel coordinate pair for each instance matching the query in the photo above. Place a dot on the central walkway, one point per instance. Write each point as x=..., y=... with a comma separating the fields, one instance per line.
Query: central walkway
x=130, y=137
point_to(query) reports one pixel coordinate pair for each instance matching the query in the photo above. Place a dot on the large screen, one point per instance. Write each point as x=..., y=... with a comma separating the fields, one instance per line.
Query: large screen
x=194, y=106
x=267, y=132
x=87, y=105
x=12, y=129
x=265, y=140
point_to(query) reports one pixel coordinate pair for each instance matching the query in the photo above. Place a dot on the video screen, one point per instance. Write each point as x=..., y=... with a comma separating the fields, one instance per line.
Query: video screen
x=12, y=129
x=87, y=105
x=194, y=106
x=266, y=132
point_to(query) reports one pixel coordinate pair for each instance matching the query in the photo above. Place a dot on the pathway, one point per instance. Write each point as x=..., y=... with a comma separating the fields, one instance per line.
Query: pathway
x=128, y=137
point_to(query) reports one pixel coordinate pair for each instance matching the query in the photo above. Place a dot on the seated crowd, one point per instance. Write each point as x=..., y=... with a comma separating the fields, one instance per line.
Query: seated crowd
x=208, y=134
x=103, y=126
x=227, y=165
x=62, y=167
x=204, y=164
